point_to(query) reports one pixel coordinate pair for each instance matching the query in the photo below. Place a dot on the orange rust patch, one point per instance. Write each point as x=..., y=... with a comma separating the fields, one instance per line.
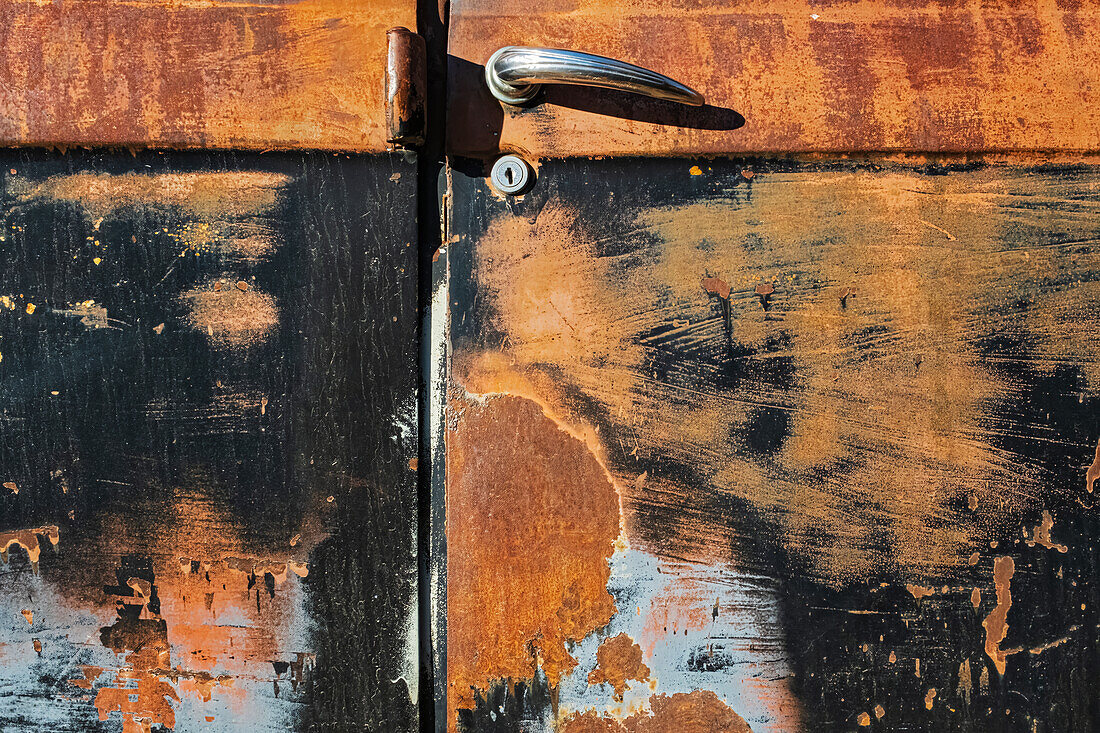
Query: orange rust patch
x=864, y=719
x=11, y=486
x=900, y=420
x=996, y=624
x=231, y=317
x=685, y=712
x=532, y=518
x=803, y=76
x=1040, y=534
x=976, y=598
x=208, y=74
x=202, y=196
x=148, y=700
x=29, y=615
x=929, y=698
x=137, y=693
x=617, y=660
x=880, y=712
x=695, y=712
x=28, y=540
x=590, y=722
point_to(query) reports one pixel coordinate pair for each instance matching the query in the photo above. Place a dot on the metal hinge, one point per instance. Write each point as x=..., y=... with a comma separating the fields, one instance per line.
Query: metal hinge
x=406, y=88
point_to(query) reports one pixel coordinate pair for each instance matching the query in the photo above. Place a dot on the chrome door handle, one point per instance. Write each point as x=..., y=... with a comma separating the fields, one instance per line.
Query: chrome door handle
x=515, y=74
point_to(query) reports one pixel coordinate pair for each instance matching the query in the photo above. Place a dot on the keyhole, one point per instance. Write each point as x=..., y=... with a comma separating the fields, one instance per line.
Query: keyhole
x=509, y=174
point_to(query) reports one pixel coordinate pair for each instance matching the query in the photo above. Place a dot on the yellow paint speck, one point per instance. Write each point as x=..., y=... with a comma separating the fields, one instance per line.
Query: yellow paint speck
x=864, y=719
x=30, y=308
x=696, y=170
x=96, y=260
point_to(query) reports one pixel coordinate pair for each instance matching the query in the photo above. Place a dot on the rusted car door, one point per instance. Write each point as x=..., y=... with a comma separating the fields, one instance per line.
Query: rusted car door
x=208, y=391
x=778, y=413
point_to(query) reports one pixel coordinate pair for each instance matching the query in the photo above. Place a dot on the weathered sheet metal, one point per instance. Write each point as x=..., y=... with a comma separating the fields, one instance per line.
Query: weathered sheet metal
x=773, y=445
x=207, y=443
x=791, y=76
x=196, y=74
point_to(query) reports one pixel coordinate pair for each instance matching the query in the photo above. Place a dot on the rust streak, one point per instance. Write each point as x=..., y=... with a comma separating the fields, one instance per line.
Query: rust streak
x=1093, y=471
x=996, y=624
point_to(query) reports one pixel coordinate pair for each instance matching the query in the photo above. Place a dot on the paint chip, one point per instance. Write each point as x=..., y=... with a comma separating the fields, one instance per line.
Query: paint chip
x=716, y=286
x=1041, y=534
x=618, y=659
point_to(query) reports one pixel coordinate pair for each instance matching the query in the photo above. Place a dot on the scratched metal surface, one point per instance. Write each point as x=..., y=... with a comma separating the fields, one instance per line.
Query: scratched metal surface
x=207, y=442
x=772, y=445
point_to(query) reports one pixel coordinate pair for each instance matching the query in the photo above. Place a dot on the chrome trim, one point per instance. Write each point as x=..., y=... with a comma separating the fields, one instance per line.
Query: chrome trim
x=515, y=74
